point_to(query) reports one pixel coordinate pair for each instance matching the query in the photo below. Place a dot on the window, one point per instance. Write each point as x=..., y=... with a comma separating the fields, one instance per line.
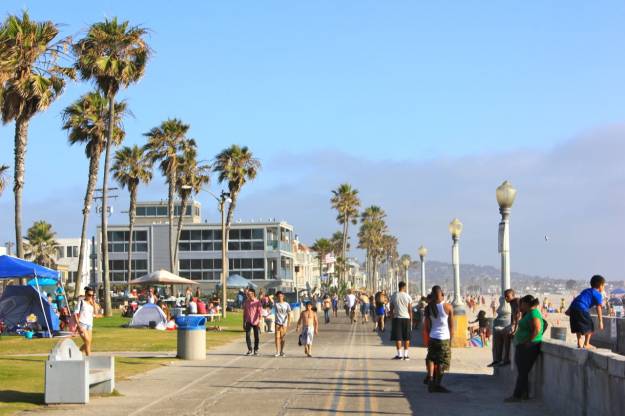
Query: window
x=257, y=233
x=72, y=251
x=210, y=269
x=119, y=269
x=118, y=241
x=140, y=211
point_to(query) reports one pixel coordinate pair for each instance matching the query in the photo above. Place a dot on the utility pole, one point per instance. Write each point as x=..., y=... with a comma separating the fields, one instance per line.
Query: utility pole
x=106, y=210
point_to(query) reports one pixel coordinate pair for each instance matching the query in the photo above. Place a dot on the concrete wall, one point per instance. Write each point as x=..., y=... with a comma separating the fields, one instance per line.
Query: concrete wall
x=576, y=382
x=607, y=337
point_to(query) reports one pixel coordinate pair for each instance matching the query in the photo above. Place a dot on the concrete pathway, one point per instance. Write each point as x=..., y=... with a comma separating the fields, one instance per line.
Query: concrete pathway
x=351, y=373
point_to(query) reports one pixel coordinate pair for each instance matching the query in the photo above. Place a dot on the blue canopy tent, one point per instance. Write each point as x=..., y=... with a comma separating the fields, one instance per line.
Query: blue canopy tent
x=14, y=268
x=17, y=302
x=42, y=282
x=236, y=281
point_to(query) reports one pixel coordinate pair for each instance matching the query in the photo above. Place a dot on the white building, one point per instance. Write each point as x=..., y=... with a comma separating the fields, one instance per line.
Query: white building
x=307, y=273
x=67, y=259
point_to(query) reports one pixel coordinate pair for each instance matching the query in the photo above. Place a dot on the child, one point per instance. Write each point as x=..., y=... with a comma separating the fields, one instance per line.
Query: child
x=483, y=326
x=581, y=322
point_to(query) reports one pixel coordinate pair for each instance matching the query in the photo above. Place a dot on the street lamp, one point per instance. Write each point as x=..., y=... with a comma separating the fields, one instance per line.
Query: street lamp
x=423, y=251
x=455, y=229
x=505, y=194
x=222, y=199
x=406, y=263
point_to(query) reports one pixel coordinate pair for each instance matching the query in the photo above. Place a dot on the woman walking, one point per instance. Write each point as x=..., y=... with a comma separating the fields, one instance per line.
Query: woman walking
x=327, y=305
x=439, y=324
x=85, y=312
x=527, y=340
x=310, y=326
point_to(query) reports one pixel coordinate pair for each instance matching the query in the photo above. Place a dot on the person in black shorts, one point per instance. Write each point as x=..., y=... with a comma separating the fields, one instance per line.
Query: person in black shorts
x=401, y=311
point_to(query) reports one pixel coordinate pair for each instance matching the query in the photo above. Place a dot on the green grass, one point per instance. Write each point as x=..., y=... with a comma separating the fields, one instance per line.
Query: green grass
x=25, y=374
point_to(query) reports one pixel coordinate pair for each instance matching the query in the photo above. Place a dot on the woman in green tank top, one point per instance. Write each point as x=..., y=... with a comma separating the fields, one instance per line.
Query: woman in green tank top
x=527, y=341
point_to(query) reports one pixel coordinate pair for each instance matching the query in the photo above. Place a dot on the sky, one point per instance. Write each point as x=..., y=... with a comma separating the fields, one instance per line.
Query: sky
x=425, y=107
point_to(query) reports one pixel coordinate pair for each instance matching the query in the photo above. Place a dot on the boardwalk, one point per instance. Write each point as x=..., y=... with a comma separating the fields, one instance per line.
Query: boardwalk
x=351, y=373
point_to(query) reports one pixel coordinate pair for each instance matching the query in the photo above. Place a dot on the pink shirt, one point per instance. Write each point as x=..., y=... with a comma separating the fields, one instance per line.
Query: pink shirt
x=252, y=311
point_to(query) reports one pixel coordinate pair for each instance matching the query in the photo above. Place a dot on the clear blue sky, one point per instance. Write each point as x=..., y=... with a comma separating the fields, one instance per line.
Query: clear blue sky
x=401, y=81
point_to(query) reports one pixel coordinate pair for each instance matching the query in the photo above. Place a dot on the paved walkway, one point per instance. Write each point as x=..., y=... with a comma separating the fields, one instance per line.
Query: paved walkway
x=351, y=373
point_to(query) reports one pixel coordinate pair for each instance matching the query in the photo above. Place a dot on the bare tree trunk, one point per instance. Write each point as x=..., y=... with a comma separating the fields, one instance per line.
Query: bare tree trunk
x=183, y=206
x=21, y=139
x=344, y=248
x=108, y=311
x=94, y=163
x=170, y=209
x=131, y=220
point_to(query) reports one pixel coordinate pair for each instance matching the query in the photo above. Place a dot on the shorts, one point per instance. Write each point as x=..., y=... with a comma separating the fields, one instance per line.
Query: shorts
x=364, y=309
x=401, y=330
x=581, y=322
x=380, y=311
x=85, y=326
x=280, y=331
x=439, y=352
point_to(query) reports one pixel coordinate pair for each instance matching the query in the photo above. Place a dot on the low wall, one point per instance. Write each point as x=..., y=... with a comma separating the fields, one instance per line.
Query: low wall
x=607, y=337
x=576, y=382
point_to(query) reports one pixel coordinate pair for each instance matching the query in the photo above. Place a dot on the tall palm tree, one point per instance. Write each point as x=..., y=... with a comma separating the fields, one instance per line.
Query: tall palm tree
x=346, y=202
x=131, y=166
x=114, y=55
x=4, y=170
x=391, y=256
x=166, y=143
x=86, y=122
x=322, y=247
x=192, y=176
x=370, y=238
x=41, y=246
x=236, y=166
x=35, y=80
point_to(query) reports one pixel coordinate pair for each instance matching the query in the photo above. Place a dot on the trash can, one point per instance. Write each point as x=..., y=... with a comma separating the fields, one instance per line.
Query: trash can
x=191, y=337
x=558, y=333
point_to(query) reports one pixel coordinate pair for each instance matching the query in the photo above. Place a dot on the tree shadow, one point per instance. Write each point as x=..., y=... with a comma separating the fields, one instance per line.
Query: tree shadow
x=12, y=396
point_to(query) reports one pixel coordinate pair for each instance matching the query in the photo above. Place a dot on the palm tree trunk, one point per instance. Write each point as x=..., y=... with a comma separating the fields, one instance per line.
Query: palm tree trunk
x=225, y=238
x=344, y=254
x=21, y=138
x=94, y=163
x=183, y=206
x=131, y=220
x=108, y=311
x=170, y=209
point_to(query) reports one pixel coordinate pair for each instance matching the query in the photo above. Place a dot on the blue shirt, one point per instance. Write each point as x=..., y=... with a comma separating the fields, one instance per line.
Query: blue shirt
x=587, y=299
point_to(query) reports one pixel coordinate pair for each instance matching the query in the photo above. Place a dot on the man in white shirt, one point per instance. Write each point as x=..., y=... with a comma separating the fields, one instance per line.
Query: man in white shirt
x=283, y=318
x=351, y=305
x=401, y=307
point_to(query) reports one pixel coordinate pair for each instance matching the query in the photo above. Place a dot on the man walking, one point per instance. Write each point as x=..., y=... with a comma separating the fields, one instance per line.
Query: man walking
x=283, y=319
x=252, y=313
x=350, y=301
x=504, y=331
x=401, y=307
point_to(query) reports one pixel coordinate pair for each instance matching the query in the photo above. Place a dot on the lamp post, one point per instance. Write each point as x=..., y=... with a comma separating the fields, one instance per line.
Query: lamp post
x=222, y=199
x=455, y=229
x=406, y=263
x=505, y=194
x=423, y=251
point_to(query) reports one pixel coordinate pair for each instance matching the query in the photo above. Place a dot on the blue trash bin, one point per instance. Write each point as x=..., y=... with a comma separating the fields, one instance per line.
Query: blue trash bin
x=191, y=341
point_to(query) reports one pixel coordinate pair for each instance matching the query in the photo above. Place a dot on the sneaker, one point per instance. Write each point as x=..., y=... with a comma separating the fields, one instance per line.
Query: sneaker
x=255, y=352
x=398, y=357
x=278, y=355
x=406, y=358
x=493, y=364
x=282, y=354
x=249, y=352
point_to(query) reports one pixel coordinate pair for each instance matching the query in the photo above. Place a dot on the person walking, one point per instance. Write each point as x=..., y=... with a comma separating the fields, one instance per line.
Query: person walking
x=380, y=310
x=335, y=305
x=439, y=325
x=283, y=319
x=527, y=341
x=350, y=302
x=86, y=309
x=310, y=326
x=364, y=307
x=252, y=313
x=401, y=311
x=327, y=305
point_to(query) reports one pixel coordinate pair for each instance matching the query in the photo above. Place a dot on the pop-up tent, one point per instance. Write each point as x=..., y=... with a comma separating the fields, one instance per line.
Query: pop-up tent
x=14, y=268
x=17, y=302
x=236, y=281
x=146, y=313
x=162, y=277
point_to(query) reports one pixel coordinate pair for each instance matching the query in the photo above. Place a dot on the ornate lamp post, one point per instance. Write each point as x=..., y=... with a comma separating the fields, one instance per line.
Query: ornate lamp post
x=422, y=253
x=455, y=229
x=406, y=263
x=505, y=194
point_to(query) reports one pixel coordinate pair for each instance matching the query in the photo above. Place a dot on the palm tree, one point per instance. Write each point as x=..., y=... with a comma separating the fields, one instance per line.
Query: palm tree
x=190, y=180
x=131, y=167
x=236, y=166
x=86, y=123
x=166, y=143
x=346, y=202
x=322, y=247
x=4, y=170
x=389, y=248
x=41, y=246
x=370, y=238
x=114, y=55
x=33, y=81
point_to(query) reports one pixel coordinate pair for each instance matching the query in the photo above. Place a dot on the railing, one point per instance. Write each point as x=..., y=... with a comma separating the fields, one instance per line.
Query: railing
x=279, y=245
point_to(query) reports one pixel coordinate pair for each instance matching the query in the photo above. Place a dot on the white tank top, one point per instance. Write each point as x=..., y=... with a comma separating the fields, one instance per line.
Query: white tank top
x=440, y=325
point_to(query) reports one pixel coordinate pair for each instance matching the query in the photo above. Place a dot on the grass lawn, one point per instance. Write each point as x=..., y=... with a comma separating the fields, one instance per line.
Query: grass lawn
x=22, y=377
